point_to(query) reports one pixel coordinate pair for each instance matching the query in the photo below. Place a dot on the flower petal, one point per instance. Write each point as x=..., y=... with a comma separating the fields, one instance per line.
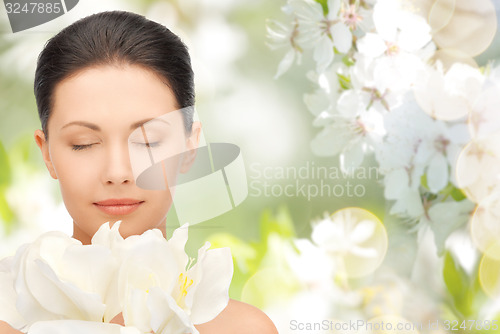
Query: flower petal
x=396, y=182
x=79, y=327
x=437, y=173
x=317, y=102
x=108, y=236
x=178, y=244
x=371, y=45
x=447, y=217
x=342, y=37
x=323, y=53
x=285, y=63
x=42, y=293
x=330, y=141
x=166, y=316
x=333, y=9
x=214, y=272
x=349, y=104
x=135, y=312
x=363, y=252
x=8, y=311
x=352, y=157
x=362, y=231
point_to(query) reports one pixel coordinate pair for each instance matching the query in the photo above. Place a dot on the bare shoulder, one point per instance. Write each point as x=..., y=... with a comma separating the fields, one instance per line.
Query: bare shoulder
x=241, y=318
x=6, y=329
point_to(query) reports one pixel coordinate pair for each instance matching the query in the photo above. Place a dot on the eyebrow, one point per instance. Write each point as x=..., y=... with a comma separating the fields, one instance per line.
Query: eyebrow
x=95, y=127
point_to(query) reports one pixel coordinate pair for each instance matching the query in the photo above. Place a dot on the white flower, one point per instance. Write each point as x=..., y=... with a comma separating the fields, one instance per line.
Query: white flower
x=56, y=283
x=80, y=327
x=402, y=186
x=399, y=25
x=484, y=227
x=354, y=16
x=393, y=69
x=344, y=235
x=311, y=264
x=320, y=32
x=322, y=102
x=416, y=145
x=446, y=217
x=58, y=278
x=399, y=46
x=354, y=239
x=484, y=119
x=353, y=123
x=396, y=158
x=157, y=288
x=439, y=153
x=8, y=310
x=448, y=96
x=284, y=35
x=349, y=136
x=390, y=293
x=478, y=167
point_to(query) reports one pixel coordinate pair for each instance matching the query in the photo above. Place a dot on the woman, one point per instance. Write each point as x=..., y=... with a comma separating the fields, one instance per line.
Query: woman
x=96, y=82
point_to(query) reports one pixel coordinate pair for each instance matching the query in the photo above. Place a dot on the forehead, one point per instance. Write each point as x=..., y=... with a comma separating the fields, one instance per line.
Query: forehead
x=111, y=93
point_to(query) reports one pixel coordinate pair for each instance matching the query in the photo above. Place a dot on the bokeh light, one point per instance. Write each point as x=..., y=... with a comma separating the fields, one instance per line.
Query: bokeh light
x=485, y=227
x=464, y=25
x=478, y=167
x=484, y=118
x=364, y=233
x=489, y=270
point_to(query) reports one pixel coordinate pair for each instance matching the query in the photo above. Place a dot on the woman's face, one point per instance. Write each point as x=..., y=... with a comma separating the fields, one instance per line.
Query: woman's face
x=94, y=113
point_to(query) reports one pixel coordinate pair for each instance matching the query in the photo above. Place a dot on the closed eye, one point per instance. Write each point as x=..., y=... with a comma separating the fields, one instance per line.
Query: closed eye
x=150, y=145
x=81, y=147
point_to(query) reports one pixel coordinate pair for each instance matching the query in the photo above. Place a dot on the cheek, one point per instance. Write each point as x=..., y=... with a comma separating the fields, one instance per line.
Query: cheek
x=161, y=201
x=76, y=176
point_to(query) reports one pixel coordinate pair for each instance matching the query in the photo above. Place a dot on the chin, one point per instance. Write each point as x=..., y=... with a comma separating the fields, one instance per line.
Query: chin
x=129, y=228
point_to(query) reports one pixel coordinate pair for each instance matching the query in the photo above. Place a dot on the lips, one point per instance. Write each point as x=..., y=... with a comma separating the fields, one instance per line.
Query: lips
x=119, y=206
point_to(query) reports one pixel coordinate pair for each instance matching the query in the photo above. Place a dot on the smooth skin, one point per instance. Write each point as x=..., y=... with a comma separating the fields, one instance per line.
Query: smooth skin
x=87, y=150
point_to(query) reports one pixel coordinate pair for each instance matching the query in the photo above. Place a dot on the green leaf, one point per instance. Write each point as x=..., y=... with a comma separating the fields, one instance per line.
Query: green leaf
x=5, y=171
x=6, y=213
x=252, y=257
x=23, y=148
x=457, y=194
x=281, y=224
x=324, y=4
x=268, y=285
x=345, y=82
x=348, y=61
x=423, y=181
x=458, y=283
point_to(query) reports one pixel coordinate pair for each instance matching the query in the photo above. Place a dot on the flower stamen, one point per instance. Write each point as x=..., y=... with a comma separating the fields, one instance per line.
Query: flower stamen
x=184, y=284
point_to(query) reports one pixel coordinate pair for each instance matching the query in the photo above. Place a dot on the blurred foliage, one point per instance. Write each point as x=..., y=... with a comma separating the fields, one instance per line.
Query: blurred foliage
x=465, y=297
x=463, y=289
x=6, y=214
x=254, y=256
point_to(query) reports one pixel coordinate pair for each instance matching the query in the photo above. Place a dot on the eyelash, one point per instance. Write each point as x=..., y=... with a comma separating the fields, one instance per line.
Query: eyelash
x=84, y=147
x=81, y=147
x=150, y=145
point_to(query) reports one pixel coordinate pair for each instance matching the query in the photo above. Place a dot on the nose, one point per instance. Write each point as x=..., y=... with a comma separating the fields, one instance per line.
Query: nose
x=117, y=168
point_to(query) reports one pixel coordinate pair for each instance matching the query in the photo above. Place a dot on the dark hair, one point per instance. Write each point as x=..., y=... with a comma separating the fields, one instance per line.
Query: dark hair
x=109, y=38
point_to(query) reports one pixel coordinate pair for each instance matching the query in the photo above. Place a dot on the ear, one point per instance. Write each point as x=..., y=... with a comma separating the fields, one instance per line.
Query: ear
x=43, y=144
x=192, y=143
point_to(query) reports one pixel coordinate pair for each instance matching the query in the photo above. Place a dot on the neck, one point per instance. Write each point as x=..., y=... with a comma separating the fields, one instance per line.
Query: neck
x=79, y=234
